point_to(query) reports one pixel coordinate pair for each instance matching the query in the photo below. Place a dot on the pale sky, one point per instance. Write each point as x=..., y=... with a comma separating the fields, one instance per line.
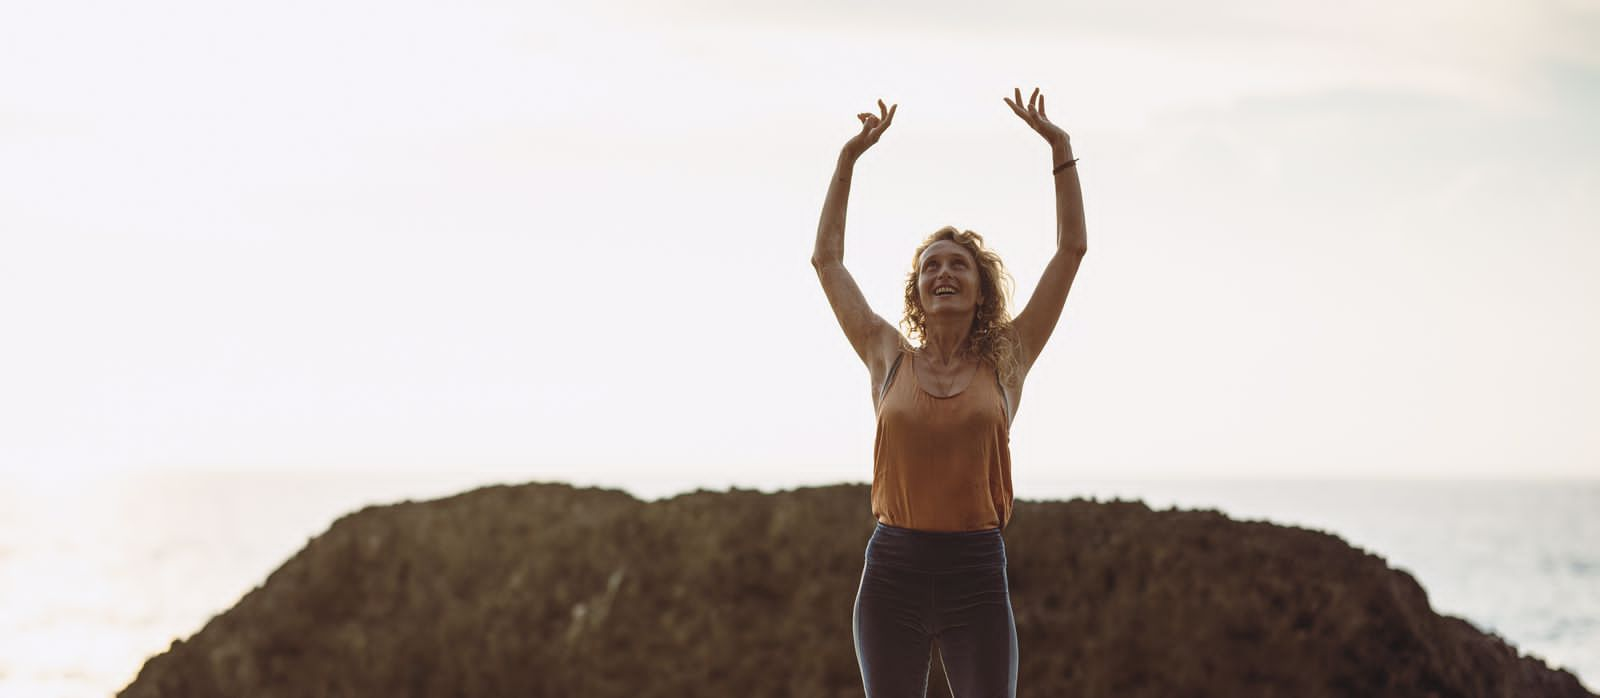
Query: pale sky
x=1351, y=241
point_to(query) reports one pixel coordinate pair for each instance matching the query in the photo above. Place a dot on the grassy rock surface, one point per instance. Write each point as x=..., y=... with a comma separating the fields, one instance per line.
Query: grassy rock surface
x=550, y=590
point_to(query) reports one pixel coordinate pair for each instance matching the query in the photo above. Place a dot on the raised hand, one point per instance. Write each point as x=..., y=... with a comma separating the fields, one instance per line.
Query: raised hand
x=872, y=127
x=1037, y=119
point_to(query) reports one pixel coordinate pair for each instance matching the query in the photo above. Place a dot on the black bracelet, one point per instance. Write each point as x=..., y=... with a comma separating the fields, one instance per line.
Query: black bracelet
x=1063, y=166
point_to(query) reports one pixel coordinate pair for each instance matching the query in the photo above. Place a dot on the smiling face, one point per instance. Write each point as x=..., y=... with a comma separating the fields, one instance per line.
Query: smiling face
x=958, y=258
x=947, y=279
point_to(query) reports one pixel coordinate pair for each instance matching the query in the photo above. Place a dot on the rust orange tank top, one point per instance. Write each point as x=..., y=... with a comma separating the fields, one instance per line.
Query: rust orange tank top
x=942, y=463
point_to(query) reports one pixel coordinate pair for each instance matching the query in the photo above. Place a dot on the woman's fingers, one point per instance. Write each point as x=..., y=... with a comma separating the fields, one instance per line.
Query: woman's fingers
x=1035, y=115
x=1016, y=108
x=873, y=125
x=1035, y=111
x=1035, y=100
x=881, y=123
x=867, y=122
x=1027, y=117
x=1016, y=103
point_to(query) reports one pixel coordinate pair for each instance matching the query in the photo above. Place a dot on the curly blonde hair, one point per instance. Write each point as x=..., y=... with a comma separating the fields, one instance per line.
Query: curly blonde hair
x=991, y=338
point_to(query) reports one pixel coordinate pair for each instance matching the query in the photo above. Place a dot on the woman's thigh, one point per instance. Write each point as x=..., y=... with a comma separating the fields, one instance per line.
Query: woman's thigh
x=977, y=632
x=893, y=640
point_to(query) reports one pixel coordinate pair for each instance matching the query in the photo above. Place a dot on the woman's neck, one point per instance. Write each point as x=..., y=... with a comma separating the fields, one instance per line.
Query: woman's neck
x=946, y=338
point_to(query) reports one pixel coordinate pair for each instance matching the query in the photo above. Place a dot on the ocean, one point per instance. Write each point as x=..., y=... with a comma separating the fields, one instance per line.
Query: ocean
x=99, y=573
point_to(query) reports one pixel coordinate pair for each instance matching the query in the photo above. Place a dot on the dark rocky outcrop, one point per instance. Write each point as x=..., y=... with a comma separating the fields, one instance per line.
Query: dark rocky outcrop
x=549, y=590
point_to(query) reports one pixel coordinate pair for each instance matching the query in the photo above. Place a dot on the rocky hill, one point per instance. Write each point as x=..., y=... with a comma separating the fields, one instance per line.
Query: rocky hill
x=550, y=590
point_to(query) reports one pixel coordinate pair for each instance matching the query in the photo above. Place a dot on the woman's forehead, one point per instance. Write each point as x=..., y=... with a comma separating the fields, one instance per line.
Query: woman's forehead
x=945, y=248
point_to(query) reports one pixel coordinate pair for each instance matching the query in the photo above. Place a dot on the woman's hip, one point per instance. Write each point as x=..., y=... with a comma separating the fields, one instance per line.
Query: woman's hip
x=936, y=551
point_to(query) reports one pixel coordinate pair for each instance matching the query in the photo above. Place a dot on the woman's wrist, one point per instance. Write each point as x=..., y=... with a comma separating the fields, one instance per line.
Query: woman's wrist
x=1061, y=157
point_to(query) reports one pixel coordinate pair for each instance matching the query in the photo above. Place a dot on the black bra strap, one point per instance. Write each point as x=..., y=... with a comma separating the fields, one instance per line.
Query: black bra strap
x=1003, y=399
x=890, y=378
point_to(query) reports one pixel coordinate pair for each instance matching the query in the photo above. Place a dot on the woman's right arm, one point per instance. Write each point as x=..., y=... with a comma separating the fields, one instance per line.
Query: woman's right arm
x=873, y=338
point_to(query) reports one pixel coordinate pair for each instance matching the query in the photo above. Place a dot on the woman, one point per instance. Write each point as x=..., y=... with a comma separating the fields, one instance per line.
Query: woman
x=941, y=483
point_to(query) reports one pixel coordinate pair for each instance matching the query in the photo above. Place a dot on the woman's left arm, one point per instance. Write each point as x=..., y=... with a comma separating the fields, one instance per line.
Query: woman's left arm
x=1038, y=319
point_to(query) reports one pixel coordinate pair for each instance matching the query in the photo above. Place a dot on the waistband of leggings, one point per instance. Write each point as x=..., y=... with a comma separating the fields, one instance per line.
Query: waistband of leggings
x=936, y=550
x=888, y=530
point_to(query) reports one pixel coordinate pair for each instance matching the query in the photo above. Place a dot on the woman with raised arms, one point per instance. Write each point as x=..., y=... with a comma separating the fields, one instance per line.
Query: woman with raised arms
x=935, y=566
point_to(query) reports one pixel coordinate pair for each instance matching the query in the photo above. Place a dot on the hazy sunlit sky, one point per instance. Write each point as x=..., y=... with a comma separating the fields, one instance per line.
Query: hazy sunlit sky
x=1346, y=240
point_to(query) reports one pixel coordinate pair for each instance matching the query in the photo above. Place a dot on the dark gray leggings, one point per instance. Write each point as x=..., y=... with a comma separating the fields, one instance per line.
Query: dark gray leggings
x=918, y=586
